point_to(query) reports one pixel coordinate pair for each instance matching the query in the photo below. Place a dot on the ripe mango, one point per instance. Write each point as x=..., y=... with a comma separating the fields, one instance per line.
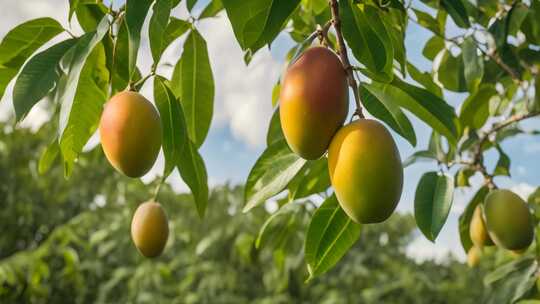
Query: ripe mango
x=150, y=229
x=365, y=171
x=130, y=130
x=473, y=256
x=477, y=229
x=313, y=102
x=508, y=220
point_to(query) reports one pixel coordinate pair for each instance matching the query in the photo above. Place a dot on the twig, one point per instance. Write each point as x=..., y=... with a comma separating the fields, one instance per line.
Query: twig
x=511, y=120
x=142, y=80
x=342, y=49
x=158, y=187
x=495, y=57
x=478, y=162
x=492, y=55
x=322, y=33
x=319, y=31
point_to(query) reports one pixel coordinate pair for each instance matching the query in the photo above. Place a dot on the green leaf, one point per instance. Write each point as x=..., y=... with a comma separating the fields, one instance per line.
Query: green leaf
x=156, y=29
x=88, y=101
x=396, y=28
x=25, y=39
x=172, y=122
x=378, y=105
x=278, y=227
x=450, y=72
x=197, y=89
x=475, y=109
x=71, y=66
x=462, y=177
x=212, y=9
x=38, y=77
x=423, y=155
x=274, y=169
x=432, y=203
x=512, y=281
x=75, y=6
x=366, y=35
x=257, y=22
x=312, y=179
x=425, y=79
x=6, y=74
x=89, y=14
x=534, y=198
x=330, y=235
x=20, y=43
x=275, y=132
x=48, y=157
x=275, y=93
x=193, y=171
x=190, y=4
x=136, y=11
x=435, y=146
x=503, y=164
x=120, y=69
x=531, y=26
x=176, y=78
x=175, y=28
x=466, y=217
x=473, y=64
x=516, y=16
x=503, y=271
x=425, y=105
x=433, y=46
x=428, y=22
x=499, y=31
x=457, y=11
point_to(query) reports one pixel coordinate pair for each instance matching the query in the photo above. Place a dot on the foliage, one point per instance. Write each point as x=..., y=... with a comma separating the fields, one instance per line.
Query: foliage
x=75, y=246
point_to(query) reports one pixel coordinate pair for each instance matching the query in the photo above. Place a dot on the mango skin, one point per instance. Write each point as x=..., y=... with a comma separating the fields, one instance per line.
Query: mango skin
x=365, y=171
x=478, y=231
x=508, y=220
x=314, y=102
x=150, y=229
x=130, y=130
x=473, y=256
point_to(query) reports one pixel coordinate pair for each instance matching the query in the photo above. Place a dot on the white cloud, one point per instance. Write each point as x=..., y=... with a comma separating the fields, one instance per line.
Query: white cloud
x=420, y=249
x=243, y=94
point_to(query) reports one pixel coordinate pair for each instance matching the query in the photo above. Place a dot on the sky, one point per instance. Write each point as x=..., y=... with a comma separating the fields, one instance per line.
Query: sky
x=242, y=111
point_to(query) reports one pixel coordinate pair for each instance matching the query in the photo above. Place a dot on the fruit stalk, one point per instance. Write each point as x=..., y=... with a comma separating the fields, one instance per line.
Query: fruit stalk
x=342, y=50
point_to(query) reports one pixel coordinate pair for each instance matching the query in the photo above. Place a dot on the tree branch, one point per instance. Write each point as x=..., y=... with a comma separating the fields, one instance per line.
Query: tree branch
x=342, y=49
x=493, y=55
x=478, y=162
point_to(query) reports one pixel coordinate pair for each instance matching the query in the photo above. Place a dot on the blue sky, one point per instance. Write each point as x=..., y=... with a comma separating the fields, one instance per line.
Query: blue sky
x=243, y=110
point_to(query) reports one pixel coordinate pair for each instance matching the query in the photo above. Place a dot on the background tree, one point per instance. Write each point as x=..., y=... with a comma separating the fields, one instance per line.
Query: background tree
x=81, y=251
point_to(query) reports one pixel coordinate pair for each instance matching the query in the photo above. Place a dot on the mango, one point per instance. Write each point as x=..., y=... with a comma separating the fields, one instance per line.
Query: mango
x=473, y=256
x=130, y=130
x=365, y=171
x=518, y=253
x=477, y=229
x=314, y=102
x=150, y=229
x=508, y=220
